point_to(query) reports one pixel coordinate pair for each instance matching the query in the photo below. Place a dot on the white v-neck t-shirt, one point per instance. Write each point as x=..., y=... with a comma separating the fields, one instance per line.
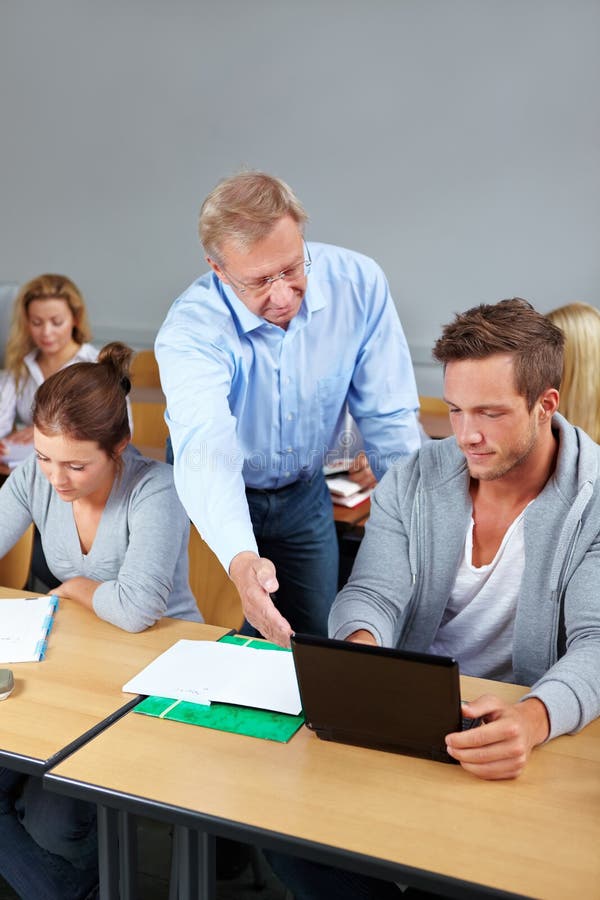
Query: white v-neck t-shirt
x=477, y=625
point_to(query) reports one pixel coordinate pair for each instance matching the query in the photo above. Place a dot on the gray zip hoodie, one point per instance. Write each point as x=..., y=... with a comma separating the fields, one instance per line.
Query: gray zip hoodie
x=406, y=568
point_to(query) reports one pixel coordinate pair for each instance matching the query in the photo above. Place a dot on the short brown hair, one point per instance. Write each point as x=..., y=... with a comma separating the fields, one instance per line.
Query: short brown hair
x=244, y=208
x=510, y=326
x=87, y=401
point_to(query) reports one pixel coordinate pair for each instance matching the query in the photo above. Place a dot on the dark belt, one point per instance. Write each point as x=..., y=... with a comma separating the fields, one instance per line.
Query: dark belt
x=277, y=490
x=284, y=487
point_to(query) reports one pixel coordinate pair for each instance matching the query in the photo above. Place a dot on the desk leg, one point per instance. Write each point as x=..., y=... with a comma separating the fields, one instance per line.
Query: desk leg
x=208, y=865
x=127, y=855
x=108, y=852
x=196, y=868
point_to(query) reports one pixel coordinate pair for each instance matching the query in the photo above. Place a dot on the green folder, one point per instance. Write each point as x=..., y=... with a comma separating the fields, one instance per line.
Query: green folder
x=260, y=723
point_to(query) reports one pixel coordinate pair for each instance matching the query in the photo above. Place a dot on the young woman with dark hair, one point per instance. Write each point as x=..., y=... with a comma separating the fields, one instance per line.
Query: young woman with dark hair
x=115, y=536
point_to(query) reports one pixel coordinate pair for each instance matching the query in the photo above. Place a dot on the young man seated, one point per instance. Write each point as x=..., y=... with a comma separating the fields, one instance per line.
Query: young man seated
x=486, y=547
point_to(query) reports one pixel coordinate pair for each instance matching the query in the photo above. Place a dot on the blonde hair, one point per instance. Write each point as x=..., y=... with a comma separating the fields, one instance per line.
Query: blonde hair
x=44, y=287
x=244, y=208
x=580, y=385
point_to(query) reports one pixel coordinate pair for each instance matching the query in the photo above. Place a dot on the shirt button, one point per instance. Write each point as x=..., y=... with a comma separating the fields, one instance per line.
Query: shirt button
x=287, y=474
x=289, y=449
x=290, y=416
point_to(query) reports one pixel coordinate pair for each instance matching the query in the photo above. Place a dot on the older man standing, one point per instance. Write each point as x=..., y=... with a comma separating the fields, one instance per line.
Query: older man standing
x=259, y=360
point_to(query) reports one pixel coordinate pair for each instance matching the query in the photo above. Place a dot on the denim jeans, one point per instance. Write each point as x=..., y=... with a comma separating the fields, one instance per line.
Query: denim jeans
x=313, y=881
x=48, y=845
x=294, y=528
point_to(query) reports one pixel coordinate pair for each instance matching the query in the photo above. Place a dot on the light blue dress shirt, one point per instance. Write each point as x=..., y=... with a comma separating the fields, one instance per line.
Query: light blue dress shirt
x=249, y=403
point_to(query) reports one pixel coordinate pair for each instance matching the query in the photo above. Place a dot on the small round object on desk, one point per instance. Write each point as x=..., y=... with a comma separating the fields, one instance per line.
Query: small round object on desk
x=7, y=683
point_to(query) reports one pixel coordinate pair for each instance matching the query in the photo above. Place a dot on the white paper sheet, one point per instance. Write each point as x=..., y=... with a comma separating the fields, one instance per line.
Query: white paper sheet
x=16, y=453
x=24, y=626
x=205, y=671
x=341, y=484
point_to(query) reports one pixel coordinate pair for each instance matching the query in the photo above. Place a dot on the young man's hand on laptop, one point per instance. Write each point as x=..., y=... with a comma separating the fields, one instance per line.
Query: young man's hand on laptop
x=501, y=746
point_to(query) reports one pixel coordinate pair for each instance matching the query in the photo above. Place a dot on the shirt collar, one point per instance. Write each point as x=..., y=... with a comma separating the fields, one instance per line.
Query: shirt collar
x=314, y=298
x=30, y=359
x=248, y=321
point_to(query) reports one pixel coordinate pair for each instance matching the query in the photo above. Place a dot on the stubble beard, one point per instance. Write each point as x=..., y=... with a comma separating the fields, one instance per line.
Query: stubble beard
x=517, y=458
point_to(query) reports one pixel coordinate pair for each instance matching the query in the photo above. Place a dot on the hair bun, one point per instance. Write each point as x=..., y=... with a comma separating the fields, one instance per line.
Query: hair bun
x=117, y=356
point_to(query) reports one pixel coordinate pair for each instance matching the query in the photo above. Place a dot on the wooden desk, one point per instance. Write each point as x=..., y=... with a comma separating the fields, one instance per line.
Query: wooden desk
x=349, y=516
x=424, y=823
x=76, y=690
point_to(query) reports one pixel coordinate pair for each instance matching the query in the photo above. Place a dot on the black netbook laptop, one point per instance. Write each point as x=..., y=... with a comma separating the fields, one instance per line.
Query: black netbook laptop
x=378, y=697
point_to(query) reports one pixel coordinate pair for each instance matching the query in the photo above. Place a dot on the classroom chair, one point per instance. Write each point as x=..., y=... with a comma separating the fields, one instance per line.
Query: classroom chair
x=144, y=370
x=15, y=566
x=434, y=420
x=215, y=593
x=149, y=426
x=435, y=406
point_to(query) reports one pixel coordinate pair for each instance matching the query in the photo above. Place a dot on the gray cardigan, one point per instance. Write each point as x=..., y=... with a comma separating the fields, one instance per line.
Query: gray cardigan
x=406, y=567
x=140, y=549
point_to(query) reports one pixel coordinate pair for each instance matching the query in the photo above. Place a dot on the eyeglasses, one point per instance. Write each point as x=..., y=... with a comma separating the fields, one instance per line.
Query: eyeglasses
x=261, y=286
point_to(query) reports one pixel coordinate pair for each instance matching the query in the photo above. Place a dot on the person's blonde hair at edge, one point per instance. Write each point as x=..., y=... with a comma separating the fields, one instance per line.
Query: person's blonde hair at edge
x=580, y=385
x=244, y=209
x=44, y=287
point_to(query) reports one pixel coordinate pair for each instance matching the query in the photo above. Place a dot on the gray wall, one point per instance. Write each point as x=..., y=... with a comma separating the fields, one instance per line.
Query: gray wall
x=456, y=141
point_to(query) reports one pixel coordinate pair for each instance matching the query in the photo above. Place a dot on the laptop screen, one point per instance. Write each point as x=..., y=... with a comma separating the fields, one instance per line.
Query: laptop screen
x=378, y=697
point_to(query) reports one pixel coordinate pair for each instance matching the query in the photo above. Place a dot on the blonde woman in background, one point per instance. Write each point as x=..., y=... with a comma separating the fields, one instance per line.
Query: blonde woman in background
x=49, y=331
x=580, y=386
